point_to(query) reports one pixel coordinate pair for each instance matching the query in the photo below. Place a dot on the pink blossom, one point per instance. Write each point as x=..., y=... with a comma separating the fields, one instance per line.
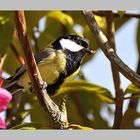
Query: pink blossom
x=5, y=98
x=2, y=123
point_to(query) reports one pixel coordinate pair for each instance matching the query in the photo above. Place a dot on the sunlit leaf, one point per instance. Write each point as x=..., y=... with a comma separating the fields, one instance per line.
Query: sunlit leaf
x=132, y=89
x=75, y=126
x=81, y=86
x=27, y=128
x=61, y=17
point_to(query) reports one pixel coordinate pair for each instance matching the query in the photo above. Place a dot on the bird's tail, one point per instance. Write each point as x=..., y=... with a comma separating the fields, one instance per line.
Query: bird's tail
x=12, y=87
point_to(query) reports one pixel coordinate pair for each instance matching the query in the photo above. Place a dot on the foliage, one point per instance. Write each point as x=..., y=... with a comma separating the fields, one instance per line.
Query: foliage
x=85, y=100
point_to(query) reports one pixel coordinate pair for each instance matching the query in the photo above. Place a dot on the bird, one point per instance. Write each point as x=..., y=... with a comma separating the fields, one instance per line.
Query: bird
x=58, y=63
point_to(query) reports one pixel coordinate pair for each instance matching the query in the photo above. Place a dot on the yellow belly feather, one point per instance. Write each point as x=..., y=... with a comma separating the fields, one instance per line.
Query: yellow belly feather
x=49, y=69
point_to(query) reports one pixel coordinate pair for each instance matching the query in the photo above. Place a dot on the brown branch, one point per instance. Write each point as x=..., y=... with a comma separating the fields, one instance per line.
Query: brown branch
x=18, y=56
x=116, y=15
x=108, y=51
x=116, y=78
x=37, y=82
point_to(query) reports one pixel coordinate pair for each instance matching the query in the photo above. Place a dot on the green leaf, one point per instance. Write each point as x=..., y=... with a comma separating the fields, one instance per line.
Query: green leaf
x=6, y=31
x=76, y=126
x=132, y=89
x=27, y=128
x=81, y=86
x=84, y=103
x=128, y=118
x=61, y=17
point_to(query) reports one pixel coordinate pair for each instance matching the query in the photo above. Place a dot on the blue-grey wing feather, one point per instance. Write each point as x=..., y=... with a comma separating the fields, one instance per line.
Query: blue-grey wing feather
x=38, y=57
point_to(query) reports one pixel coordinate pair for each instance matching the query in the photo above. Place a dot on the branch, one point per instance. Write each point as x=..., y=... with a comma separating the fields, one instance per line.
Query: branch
x=18, y=56
x=109, y=51
x=37, y=82
x=2, y=60
x=116, y=78
x=116, y=15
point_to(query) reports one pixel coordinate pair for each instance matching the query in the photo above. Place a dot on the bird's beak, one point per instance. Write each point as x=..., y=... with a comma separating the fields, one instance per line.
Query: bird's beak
x=88, y=51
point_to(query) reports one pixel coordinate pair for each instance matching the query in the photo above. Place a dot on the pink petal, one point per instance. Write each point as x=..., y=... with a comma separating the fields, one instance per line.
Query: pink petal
x=2, y=123
x=1, y=82
x=5, y=98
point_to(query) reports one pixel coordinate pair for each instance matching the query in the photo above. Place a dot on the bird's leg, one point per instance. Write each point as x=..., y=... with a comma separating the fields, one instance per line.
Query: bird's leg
x=43, y=85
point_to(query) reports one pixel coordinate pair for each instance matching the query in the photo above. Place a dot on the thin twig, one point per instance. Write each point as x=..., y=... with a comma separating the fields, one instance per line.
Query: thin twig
x=18, y=56
x=2, y=60
x=117, y=15
x=37, y=82
x=108, y=51
x=131, y=97
x=116, y=78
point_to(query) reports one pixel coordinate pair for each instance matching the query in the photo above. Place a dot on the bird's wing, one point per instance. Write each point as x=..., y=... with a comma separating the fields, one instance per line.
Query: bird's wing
x=42, y=55
x=38, y=57
x=18, y=73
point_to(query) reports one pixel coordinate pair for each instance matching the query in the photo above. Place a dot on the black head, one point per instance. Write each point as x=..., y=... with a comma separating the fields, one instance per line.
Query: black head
x=75, y=48
x=72, y=43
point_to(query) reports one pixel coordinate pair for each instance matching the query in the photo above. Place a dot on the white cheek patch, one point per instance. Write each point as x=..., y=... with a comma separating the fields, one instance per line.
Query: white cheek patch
x=70, y=45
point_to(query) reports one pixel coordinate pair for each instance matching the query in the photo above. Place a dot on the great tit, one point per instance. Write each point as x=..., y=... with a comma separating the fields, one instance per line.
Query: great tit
x=60, y=61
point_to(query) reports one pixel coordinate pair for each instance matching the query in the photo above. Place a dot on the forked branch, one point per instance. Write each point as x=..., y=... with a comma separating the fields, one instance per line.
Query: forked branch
x=109, y=51
x=37, y=82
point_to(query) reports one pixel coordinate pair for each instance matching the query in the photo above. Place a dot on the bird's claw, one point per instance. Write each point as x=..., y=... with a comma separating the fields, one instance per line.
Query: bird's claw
x=43, y=85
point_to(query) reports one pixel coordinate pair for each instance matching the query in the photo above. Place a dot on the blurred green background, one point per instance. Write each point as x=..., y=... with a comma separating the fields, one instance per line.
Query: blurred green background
x=90, y=99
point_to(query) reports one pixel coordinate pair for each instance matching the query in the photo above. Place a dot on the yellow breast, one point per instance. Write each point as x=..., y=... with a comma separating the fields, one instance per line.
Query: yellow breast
x=49, y=69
